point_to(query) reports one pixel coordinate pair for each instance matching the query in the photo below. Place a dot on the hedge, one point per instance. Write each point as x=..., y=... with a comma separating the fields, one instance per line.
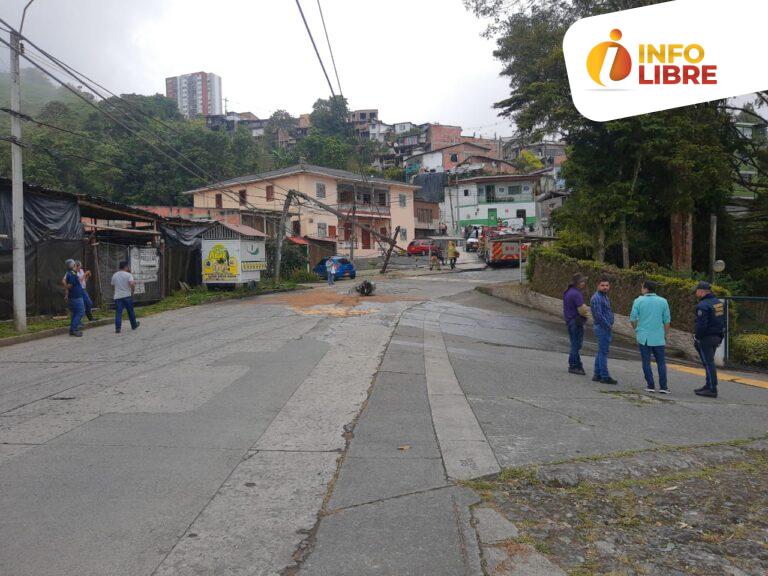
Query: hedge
x=750, y=349
x=550, y=272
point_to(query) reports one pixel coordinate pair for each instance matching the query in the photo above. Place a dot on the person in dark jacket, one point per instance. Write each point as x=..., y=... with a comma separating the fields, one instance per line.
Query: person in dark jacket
x=602, y=316
x=710, y=329
x=575, y=314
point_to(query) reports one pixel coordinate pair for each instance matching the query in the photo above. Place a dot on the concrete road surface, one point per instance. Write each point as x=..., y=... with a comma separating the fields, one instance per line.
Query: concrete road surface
x=310, y=433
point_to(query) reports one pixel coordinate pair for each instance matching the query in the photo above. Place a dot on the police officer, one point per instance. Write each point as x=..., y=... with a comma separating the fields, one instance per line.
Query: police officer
x=710, y=328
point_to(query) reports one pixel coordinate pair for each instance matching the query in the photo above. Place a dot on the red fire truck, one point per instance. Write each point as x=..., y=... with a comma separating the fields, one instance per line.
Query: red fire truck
x=502, y=245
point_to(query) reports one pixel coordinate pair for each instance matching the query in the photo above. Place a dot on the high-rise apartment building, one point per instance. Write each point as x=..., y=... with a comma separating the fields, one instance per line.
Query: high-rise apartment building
x=197, y=94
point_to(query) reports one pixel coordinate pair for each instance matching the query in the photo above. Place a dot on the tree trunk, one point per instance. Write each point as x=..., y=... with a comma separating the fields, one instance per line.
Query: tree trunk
x=624, y=242
x=600, y=251
x=682, y=241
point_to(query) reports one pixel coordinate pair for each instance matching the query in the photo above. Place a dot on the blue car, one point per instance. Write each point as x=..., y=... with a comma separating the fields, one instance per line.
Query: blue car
x=343, y=268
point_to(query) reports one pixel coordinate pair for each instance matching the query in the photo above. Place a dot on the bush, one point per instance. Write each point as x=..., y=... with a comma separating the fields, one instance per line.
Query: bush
x=552, y=271
x=756, y=281
x=303, y=275
x=750, y=349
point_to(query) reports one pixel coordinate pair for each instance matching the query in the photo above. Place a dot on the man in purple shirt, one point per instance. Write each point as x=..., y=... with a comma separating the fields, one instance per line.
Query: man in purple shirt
x=575, y=315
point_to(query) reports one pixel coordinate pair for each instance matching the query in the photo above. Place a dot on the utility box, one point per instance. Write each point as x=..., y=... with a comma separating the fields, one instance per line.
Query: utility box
x=232, y=254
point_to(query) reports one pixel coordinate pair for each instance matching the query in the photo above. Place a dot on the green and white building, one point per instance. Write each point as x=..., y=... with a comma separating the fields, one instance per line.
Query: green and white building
x=482, y=200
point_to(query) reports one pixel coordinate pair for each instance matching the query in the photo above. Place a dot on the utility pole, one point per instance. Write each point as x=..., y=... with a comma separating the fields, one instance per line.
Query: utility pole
x=712, y=246
x=17, y=192
x=280, y=232
x=389, y=251
x=354, y=227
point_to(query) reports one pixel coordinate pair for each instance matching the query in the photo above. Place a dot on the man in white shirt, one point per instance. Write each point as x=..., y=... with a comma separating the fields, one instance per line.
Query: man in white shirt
x=124, y=285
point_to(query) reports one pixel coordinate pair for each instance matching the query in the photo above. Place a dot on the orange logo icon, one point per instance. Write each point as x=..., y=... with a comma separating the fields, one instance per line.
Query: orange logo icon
x=622, y=62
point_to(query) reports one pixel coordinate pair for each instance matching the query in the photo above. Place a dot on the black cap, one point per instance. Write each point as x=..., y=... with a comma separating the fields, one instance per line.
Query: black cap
x=703, y=286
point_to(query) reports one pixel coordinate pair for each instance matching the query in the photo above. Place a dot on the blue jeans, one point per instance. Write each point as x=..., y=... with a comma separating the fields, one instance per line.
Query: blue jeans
x=604, y=337
x=576, y=334
x=127, y=304
x=77, y=307
x=88, y=303
x=661, y=363
x=330, y=278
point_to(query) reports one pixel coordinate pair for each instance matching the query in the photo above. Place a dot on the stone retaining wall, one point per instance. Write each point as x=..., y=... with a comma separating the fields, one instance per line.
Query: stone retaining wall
x=678, y=342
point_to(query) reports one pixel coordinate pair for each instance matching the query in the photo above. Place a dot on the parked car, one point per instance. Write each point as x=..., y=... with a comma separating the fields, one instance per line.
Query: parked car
x=424, y=248
x=343, y=268
x=472, y=244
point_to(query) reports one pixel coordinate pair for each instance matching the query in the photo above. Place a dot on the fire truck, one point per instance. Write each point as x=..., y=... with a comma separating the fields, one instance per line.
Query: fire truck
x=502, y=244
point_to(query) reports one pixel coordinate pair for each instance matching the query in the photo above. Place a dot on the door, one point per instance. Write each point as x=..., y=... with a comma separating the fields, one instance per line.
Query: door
x=296, y=228
x=366, y=239
x=492, y=216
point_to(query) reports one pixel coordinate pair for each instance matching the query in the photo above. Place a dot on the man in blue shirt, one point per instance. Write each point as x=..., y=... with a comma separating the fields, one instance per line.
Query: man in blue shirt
x=575, y=316
x=73, y=296
x=651, y=318
x=710, y=329
x=602, y=316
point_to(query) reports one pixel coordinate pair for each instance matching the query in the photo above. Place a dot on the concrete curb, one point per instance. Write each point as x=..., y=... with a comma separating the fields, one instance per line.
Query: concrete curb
x=32, y=336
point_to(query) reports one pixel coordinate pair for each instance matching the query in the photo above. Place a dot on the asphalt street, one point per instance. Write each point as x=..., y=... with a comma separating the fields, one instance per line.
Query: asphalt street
x=310, y=433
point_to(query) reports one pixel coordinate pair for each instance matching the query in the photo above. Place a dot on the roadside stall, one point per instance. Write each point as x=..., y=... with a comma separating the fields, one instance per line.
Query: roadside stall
x=232, y=255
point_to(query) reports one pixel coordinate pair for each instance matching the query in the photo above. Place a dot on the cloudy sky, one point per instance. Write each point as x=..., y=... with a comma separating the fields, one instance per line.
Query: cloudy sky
x=417, y=60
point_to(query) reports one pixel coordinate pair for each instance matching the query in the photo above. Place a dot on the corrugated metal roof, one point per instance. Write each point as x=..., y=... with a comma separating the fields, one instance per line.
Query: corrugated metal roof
x=243, y=230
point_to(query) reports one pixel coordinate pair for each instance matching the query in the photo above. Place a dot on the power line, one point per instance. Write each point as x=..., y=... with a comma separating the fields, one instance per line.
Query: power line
x=319, y=59
x=328, y=40
x=56, y=153
x=37, y=122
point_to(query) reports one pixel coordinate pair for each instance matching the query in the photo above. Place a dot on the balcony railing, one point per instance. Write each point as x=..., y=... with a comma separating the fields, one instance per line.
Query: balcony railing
x=427, y=225
x=505, y=199
x=366, y=208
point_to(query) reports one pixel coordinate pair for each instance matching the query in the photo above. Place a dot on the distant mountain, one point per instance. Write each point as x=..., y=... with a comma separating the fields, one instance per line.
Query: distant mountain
x=36, y=91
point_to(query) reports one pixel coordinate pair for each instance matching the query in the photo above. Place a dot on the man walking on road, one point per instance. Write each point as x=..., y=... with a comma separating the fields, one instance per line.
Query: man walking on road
x=602, y=316
x=124, y=285
x=650, y=318
x=330, y=270
x=710, y=329
x=575, y=314
x=73, y=296
x=82, y=276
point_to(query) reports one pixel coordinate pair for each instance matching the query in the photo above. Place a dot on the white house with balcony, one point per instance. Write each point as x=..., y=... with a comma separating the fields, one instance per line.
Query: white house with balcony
x=483, y=200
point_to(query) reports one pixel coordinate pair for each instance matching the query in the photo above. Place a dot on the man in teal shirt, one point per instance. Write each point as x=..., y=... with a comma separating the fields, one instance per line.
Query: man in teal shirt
x=650, y=318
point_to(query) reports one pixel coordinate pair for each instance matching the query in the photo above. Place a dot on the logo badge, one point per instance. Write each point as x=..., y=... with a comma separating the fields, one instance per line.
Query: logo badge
x=620, y=65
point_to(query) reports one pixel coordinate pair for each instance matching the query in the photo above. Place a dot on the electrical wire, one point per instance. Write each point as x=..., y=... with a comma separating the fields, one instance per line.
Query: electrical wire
x=328, y=40
x=55, y=153
x=312, y=39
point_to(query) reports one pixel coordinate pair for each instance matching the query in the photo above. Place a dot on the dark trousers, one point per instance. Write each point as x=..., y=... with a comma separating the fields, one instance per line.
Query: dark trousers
x=706, y=348
x=576, y=335
x=77, y=307
x=127, y=304
x=604, y=337
x=661, y=363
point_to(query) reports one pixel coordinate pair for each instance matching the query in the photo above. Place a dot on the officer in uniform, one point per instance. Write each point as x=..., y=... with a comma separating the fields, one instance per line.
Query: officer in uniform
x=710, y=329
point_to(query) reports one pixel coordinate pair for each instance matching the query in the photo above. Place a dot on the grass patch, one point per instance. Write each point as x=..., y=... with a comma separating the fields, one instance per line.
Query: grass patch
x=194, y=297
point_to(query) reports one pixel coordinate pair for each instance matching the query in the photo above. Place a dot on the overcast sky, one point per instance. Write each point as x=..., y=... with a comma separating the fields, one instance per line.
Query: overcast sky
x=416, y=60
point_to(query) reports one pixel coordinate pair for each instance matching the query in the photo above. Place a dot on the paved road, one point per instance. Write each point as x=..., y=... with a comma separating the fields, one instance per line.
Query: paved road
x=312, y=432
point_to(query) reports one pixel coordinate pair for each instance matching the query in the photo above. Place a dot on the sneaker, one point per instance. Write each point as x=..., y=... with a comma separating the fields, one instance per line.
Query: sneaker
x=664, y=391
x=702, y=389
x=579, y=371
x=706, y=392
x=117, y=331
x=608, y=380
x=137, y=325
x=649, y=389
x=596, y=378
x=89, y=315
x=76, y=333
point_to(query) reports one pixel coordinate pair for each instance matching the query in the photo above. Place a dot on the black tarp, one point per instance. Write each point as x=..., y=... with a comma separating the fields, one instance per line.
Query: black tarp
x=432, y=186
x=46, y=218
x=182, y=235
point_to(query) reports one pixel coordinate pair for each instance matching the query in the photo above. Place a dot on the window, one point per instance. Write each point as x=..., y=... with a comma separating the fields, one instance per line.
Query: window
x=319, y=189
x=219, y=203
x=521, y=214
x=403, y=201
x=466, y=192
x=270, y=192
x=322, y=230
x=454, y=157
x=403, y=234
x=243, y=197
x=362, y=116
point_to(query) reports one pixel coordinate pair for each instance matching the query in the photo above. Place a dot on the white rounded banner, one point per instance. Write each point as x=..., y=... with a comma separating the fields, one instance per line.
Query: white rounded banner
x=666, y=56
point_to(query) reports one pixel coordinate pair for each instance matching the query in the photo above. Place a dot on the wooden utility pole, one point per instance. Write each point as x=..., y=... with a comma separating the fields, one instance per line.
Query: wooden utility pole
x=389, y=251
x=354, y=228
x=712, y=246
x=280, y=231
x=17, y=192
